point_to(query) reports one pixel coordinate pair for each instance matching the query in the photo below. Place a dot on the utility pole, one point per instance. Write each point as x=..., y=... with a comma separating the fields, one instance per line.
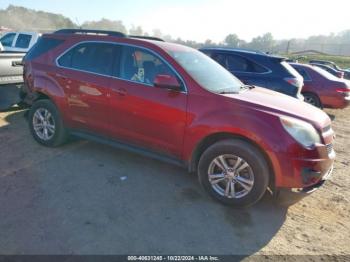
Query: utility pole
x=288, y=46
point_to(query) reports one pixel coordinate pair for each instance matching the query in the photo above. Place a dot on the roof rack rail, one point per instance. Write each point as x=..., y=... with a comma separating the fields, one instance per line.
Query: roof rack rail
x=147, y=37
x=89, y=31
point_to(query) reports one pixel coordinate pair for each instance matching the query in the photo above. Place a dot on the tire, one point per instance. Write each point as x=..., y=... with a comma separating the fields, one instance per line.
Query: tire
x=256, y=173
x=56, y=133
x=312, y=99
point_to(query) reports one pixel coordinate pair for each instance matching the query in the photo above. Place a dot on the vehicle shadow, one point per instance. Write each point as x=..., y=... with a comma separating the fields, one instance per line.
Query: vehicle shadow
x=87, y=198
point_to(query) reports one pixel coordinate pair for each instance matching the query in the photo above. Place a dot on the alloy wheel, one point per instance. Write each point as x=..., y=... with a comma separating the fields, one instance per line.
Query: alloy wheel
x=44, y=124
x=231, y=176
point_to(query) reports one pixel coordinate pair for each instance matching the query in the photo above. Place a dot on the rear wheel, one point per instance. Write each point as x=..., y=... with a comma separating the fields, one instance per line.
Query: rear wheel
x=312, y=99
x=234, y=172
x=46, y=124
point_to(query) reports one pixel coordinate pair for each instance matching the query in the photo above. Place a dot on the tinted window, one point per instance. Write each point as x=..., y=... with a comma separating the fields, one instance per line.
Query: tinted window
x=91, y=57
x=325, y=74
x=241, y=64
x=303, y=73
x=43, y=45
x=142, y=66
x=7, y=39
x=220, y=58
x=23, y=41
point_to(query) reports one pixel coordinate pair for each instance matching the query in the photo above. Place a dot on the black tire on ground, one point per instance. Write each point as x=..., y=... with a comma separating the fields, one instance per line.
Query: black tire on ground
x=60, y=134
x=251, y=156
x=313, y=99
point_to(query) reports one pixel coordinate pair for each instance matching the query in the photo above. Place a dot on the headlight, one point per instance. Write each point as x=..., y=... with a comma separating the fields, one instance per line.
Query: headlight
x=303, y=132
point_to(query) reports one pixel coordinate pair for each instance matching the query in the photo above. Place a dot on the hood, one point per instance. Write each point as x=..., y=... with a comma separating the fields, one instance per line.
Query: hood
x=276, y=103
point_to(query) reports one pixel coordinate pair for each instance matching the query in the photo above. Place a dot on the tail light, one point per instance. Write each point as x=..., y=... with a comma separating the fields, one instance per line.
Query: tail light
x=294, y=81
x=344, y=91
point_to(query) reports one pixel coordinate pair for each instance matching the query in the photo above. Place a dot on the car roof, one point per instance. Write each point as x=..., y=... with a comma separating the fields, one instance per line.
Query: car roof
x=242, y=51
x=324, y=66
x=321, y=61
x=228, y=49
x=301, y=65
x=117, y=37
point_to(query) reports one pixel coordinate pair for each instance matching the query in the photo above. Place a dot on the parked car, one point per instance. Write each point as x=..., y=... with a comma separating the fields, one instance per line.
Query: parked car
x=11, y=79
x=333, y=65
x=18, y=41
x=174, y=103
x=335, y=72
x=323, y=89
x=259, y=69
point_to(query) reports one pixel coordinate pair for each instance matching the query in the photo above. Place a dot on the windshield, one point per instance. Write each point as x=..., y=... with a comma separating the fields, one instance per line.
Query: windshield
x=325, y=74
x=209, y=74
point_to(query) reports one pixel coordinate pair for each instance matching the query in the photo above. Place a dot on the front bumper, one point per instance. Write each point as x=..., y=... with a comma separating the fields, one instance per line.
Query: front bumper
x=290, y=196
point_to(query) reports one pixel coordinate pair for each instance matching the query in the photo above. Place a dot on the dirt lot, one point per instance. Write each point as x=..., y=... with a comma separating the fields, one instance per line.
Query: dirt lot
x=86, y=198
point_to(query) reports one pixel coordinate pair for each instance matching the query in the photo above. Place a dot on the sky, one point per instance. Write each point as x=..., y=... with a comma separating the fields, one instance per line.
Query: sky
x=208, y=19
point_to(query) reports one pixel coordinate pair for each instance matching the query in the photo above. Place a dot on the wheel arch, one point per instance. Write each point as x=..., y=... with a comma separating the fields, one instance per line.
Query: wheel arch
x=315, y=95
x=211, y=139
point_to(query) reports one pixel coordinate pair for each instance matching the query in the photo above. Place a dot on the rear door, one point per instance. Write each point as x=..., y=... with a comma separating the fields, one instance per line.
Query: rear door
x=85, y=74
x=141, y=113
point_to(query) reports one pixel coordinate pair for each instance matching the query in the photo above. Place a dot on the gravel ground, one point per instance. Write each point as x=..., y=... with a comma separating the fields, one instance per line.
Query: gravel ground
x=87, y=198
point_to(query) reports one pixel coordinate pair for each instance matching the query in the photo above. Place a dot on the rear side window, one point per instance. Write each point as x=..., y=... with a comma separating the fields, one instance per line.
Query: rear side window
x=7, y=39
x=303, y=73
x=91, y=57
x=43, y=45
x=23, y=41
x=240, y=64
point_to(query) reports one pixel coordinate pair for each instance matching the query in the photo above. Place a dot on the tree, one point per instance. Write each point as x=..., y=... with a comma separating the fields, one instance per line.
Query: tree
x=232, y=40
x=263, y=43
x=136, y=30
x=105, y=24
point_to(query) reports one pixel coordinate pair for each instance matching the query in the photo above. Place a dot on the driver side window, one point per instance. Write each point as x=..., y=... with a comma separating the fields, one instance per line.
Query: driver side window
x=141, y=66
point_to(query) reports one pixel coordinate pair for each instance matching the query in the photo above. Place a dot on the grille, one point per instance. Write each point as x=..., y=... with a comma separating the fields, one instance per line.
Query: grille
x=329, y=149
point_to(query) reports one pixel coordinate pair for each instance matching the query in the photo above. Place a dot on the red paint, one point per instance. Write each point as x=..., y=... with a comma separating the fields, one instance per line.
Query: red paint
x=174, y=122
x=333, y=92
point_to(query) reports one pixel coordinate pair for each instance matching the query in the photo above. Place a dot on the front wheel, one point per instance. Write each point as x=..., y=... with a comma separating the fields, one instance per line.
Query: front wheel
x=234, y=172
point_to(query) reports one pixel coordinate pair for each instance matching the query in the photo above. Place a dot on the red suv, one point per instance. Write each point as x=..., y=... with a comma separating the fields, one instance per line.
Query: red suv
x=174, y=103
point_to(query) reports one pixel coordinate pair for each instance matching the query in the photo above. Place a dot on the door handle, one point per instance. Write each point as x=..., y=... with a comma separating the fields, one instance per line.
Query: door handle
x=120, y=91
x=17, y=63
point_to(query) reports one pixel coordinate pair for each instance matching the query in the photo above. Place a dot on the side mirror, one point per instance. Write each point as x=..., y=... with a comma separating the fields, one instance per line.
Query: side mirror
x=167, y=81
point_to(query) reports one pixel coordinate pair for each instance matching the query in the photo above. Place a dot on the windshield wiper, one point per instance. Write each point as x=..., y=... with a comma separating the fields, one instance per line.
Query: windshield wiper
x=227, y=92
x=247, y=87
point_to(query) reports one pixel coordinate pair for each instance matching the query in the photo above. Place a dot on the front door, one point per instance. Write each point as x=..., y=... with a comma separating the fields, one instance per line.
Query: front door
x=141, y=113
